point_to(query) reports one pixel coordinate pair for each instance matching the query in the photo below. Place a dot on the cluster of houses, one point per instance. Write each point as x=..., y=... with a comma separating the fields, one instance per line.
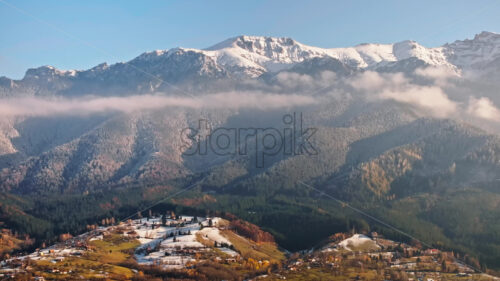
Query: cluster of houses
x=413, y=261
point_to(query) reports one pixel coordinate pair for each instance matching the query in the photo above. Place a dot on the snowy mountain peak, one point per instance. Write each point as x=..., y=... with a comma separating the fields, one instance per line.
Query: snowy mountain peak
x=47, y=71
x=254, y=55
x=487, y=36
x=253, y=43
x=476, y=53
x=484, y=37
x=406, y=49
x=262, y=50
x=102, y=66
x=411, y=49
x=151, y=55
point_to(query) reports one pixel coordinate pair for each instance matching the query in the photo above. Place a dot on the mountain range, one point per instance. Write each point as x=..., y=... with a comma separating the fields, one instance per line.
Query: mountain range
x=248, y=57
x=407, y=131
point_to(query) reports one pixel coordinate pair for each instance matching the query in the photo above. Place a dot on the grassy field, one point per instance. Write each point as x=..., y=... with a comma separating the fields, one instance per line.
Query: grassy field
x=249, y=249
x=8, y=243
x=101, y=262
x=113, y=249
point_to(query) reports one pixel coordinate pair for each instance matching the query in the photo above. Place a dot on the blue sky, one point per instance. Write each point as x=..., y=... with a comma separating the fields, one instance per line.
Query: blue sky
x=82, y=34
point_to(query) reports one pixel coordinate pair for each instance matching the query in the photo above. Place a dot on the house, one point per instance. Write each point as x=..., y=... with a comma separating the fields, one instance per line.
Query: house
x=431, y=252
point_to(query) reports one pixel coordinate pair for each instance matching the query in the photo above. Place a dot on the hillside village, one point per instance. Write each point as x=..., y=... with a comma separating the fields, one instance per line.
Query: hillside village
x=360, y=257
x=165, y=243
x=211, y=248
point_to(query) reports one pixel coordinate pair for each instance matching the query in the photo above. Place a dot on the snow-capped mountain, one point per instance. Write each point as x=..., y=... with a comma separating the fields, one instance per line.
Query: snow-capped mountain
x=476, y=53
x=273, y=54
x=248, y=57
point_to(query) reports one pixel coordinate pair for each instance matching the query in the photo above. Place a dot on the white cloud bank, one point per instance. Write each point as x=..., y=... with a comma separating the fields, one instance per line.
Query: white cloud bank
x=395, y=86
x=428, y=100
x=432, y=99
x=483, y=108
x=32, y=106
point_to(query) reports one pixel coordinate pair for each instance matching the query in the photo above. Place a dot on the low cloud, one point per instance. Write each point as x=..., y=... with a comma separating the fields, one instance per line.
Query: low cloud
x=429, y=100
x=32, y=106
x=483, y=108
x=436, y=72
x=371, y=81
x=292, y=80
x=439, y=96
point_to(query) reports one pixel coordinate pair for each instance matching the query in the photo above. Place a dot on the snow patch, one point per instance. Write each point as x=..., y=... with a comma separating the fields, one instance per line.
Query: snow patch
x=357, y=241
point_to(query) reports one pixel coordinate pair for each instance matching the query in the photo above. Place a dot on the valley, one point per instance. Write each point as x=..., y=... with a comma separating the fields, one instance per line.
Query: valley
x=405, y=133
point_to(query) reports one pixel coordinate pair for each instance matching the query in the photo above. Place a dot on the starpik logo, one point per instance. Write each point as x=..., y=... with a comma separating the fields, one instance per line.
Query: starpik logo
x=288, y=139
